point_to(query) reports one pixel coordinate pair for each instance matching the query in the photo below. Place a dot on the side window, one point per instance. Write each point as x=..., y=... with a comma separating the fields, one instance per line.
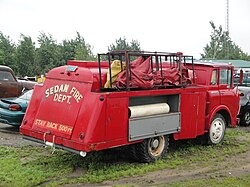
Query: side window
x=214, y=77
x=6, y=76
x=225, y=77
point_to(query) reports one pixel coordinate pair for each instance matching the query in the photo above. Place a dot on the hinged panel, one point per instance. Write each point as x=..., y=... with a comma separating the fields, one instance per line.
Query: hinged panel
x=151, y=126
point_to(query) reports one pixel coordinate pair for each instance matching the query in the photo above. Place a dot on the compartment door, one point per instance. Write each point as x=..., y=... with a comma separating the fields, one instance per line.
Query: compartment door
x=117, y=118
x=189, y=115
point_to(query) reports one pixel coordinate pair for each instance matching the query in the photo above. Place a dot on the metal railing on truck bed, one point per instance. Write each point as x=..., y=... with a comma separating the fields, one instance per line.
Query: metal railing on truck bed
x=145, y=70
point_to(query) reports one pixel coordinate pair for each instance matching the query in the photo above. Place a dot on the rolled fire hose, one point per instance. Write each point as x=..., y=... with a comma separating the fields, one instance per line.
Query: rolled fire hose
x=148, y=110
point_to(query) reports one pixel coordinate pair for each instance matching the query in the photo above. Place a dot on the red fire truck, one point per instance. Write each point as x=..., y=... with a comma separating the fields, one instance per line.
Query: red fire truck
x=134, y=98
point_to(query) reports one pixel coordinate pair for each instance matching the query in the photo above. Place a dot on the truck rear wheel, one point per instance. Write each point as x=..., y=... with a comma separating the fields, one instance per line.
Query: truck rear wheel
x=152, y=149
x=217, y=129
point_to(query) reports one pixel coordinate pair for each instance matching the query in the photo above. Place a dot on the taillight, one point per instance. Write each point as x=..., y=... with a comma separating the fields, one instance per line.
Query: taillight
x=15, y=107
x=241, y=94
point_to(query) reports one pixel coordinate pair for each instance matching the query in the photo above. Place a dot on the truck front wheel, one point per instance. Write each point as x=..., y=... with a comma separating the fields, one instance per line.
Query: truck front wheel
x=217, y=129
x=152, y=149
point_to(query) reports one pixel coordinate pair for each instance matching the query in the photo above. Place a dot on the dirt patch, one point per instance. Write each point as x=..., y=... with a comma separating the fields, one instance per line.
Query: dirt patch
x=229, y=167
x=10, y=136
x=233, y=166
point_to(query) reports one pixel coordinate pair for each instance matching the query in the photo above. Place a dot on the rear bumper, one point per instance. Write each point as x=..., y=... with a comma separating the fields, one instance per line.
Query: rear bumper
x=57, y=141
x=54, y=145
x=75, y=146
x=10, y=121
x=11, y=117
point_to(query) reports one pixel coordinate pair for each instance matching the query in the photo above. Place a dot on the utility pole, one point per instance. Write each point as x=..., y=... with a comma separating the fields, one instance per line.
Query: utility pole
x=227, y=28
x=227, y=16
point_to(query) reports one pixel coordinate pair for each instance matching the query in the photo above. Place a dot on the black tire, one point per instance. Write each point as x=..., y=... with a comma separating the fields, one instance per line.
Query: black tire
x=217, y=130
x=131, y=152
x=245, y=118
x=152, y=149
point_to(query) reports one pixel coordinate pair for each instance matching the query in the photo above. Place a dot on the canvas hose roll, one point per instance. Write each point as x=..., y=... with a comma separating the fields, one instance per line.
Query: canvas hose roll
x=148, y=110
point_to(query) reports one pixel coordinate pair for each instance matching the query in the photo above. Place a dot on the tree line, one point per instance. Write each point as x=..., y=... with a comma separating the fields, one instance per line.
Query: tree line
x=221, y=46
x=28, y=59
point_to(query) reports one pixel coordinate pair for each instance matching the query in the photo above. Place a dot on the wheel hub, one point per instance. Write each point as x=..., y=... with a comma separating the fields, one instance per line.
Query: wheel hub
x=155, y=143
x=156, y=146
x=216, y=130
x=247, y=117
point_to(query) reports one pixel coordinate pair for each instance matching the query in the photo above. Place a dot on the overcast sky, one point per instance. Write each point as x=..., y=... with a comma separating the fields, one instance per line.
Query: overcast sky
x=159, y=25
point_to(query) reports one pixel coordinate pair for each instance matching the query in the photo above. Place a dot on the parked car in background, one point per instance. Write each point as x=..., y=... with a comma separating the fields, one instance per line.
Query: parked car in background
x=244, y=113
x=10, y=86
x=12, y=110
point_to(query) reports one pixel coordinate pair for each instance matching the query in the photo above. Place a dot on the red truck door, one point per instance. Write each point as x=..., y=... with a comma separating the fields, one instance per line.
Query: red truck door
x=227, y=93
x=213, y=94
x=225, y=81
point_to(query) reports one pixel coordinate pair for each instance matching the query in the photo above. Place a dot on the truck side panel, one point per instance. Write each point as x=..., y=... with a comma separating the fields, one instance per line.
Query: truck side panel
x=90, y=127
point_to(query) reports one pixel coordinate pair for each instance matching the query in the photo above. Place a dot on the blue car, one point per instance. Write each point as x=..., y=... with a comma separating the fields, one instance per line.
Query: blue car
x=12, y=110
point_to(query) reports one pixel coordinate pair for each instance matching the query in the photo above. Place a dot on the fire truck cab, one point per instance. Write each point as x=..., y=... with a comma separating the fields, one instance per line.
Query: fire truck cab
x=132, y=98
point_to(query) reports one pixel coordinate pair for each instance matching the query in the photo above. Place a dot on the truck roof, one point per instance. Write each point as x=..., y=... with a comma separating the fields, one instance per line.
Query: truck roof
x=212, y=64
x=6, y=68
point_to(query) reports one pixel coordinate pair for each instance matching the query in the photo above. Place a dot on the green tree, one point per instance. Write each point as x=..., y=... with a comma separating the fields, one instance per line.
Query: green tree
x=7, y=51
x=82, y=49
x=25, y=56
x=76, y=49
x=122, y=44
x=222, y=47
x=48, y=54
x=67, y=51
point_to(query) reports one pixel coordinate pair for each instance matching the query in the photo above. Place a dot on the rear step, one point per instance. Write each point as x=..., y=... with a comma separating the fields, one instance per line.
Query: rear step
x=51, y=144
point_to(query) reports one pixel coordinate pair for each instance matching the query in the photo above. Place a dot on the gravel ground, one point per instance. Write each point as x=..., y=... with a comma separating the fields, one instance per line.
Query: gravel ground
x=9, y=136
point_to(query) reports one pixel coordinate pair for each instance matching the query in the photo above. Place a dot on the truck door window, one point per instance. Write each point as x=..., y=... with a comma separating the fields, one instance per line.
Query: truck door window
x=214, y=77
x=6, y=76
x=225, y=76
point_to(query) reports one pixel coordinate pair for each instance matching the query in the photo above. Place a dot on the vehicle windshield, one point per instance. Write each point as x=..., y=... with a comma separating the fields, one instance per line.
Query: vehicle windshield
x=26, y=95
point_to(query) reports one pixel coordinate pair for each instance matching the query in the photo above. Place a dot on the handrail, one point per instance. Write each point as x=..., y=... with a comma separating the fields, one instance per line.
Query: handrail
x=176, y=60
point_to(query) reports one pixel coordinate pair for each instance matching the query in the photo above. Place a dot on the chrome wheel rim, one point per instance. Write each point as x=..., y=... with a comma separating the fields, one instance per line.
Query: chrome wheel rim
x=156, y=146
x=247, y=117
x=217, y=130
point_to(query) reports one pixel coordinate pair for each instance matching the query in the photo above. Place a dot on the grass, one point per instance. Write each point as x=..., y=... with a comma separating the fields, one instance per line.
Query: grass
x=31, y=166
